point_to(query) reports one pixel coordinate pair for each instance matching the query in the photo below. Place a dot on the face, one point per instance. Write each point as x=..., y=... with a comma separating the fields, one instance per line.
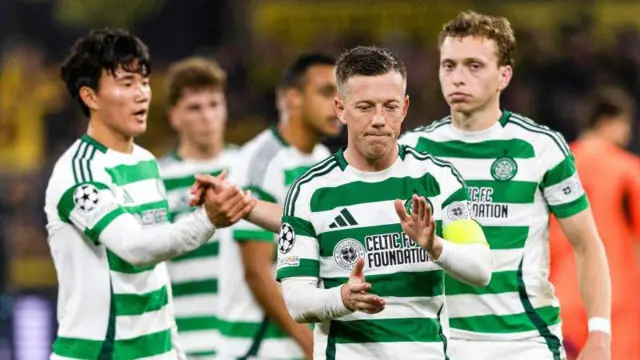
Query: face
x=200, y=116
x=373, y=108
x=122, y=101
x=621, y=130
x=470, y=76
x=316, y=100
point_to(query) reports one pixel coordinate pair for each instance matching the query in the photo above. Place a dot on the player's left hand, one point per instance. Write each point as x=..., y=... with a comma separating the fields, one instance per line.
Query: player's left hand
x=598, y=347
x=419, y=225
x=202, y=183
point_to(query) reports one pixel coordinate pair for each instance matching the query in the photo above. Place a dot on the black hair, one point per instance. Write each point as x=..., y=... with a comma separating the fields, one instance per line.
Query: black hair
x=102, y=50
x=367, y=61
x=293, y=76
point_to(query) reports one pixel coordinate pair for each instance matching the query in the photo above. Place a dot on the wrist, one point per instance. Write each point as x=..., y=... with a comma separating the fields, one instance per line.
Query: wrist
x=599, y=325
x=203, y=217
x=343, y=294
x=436, y=250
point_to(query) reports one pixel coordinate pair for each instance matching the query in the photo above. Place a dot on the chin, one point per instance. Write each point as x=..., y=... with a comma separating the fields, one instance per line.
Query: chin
x=461, y=107
x=137, y=130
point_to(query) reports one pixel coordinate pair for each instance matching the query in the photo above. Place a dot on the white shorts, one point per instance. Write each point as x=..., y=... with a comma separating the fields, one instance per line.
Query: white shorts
x=499, y=350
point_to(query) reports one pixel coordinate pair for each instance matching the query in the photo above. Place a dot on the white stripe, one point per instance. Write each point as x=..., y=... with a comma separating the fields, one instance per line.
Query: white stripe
x=565, y=191
x=480, y=169
x=132, y=326
x=77, y=162
x=196, y=341
x=195, y=305
x=506, y=260
x=142, y=192
x=535, y=127
x=140, y=283
x=169, y=355
x=193, y=269
x=402, y=308
x=304, y=247
x=492, y=304
x=330, y=269
x=389, y=350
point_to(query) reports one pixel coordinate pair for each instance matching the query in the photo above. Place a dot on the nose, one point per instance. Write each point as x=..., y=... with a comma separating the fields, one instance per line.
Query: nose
x=378, y=120
x=143, y=93
x=457, y=76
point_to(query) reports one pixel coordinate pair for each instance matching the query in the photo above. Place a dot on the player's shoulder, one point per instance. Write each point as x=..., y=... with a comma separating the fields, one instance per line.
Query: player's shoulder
x=266, y=142
x=538, y=135
x=323, y=174
x=169, y=159
x=409, y=137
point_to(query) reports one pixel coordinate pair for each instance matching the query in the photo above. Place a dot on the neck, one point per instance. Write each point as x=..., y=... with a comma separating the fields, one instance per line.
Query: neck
x=596, y=136
x=355, y=159
x=299, y=135
x=476, y=121
x=109, y=138
x=191, y=151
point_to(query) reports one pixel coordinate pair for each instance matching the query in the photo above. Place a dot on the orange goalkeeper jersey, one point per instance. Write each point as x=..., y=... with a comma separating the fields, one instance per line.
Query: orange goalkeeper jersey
x=611, y=178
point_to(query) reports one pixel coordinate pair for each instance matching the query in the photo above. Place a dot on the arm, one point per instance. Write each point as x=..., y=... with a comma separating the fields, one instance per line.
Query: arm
x=267, y=215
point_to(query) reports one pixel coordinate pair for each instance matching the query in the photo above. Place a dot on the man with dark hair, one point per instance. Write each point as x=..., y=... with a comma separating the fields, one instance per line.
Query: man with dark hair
x=518, y=173
x=611, y=177
x=106, y=210
x=400, y=215
x=254, y=322
x=197, y=110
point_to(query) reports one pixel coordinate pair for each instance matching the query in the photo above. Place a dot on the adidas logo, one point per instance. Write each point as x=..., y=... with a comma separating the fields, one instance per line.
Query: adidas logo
x=127, y=198
x=344, y=219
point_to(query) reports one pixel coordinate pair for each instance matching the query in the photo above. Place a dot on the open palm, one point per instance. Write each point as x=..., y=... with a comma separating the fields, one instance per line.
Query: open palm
x=419, y=225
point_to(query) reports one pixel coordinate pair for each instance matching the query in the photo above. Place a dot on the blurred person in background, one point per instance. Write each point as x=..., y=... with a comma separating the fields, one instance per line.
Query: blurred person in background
x=254, y=321
x=195, y=94
x=611, y=178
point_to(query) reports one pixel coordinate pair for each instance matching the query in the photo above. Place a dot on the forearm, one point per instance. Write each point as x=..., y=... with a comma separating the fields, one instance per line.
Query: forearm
x=593, y=278
x=266, y=292
x=267, y=215
x=468, y=263
x=309, y=304
x=139, y=246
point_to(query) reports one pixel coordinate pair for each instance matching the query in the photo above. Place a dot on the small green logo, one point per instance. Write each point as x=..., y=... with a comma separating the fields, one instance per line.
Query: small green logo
x=504, y=168
x=408, y=204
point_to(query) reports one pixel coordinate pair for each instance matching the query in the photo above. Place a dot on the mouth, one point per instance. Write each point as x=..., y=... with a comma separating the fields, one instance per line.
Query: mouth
x=458, y=96
x=141, y=115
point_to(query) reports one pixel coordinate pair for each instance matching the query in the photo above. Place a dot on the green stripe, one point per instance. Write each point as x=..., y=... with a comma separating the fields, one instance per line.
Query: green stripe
x=88, y=139
x=505, y=324
x=360, y=192
x=562, y=171
x=512, y=192
x=301, y=227
x=536, y=319
x=184, y=181
x=329, y=240
x=253, y=235
x=196, y=354
x=127, y=174
x=318, y=170
x=462, y=194
x=196, y=323
x=138, y=304
x=506, y=237
x=290, y=175
x=84, y=173
x=207, y=286
x=118, y=264
x=210, y=249
x=400, y=284
x=386, y=331
x=143, y=346
x=435, y=161
x=501, y=282
x=571, y=208
x=94, y=233
x=76, y=179
x=248, y=330
x=307, y=267
x=490, y=149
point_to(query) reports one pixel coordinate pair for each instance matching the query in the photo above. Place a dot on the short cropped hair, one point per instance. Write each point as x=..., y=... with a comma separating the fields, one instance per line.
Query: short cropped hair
x=498, y=29
x=608, y=103
x=367, y=61
x=102, y=50
x=294, y=75
x=193, y=73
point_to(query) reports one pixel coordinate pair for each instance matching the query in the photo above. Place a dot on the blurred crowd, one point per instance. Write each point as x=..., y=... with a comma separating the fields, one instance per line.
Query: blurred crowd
x=554, y=76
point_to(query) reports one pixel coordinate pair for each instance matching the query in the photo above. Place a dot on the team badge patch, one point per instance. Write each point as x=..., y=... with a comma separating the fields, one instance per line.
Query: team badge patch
x=86, y=197
x=458, y=210
x=286, y=239
x=504, y=168
x=408, y=205
x=346, y=252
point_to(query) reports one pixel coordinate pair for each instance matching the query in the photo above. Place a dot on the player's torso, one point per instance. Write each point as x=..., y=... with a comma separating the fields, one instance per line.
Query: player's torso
x=355, y=217
x=194, y=276
x=502, y=168
x=267, y=166
x=97, y=285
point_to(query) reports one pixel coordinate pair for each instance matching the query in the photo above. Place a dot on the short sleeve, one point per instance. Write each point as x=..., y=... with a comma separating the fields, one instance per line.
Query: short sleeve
x=456, y=204
x=298, y=249
x=561, y=185
x=90, y=206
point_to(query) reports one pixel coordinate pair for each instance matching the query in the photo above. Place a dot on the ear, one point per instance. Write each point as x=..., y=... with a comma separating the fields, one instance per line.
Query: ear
x=173, y=119
x=293, y=98
x=89, y=97
x=405, y=108
x=339, y=106
x=506, y=73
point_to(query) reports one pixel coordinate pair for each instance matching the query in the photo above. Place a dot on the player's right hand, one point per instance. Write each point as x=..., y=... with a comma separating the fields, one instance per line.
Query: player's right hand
x=354, y=292
x=228, y=205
